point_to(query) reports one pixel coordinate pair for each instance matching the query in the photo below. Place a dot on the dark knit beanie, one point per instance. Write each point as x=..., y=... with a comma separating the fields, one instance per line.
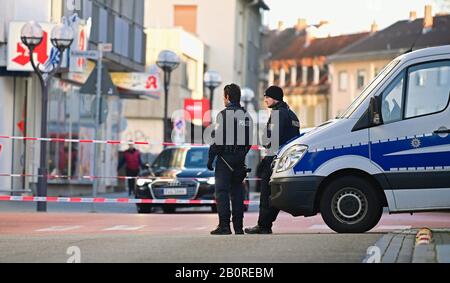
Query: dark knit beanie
x=274, y=92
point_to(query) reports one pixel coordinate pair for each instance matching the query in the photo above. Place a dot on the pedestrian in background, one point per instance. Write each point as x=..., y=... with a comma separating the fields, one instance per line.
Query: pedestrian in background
x=132, y=160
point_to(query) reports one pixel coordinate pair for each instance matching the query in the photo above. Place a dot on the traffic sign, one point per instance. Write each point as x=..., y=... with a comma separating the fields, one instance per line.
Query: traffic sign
x=179, y=125
x=108, y=87
x=105, y=47
x=90, y=54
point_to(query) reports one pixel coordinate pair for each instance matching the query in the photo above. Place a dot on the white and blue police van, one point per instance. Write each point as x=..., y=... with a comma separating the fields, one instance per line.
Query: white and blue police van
x=391, y=148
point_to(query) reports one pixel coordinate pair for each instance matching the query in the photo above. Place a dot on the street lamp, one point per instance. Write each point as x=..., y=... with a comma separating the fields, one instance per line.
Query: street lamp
x=61, y=37
x=212, y=80
x=247, y=96
x=167, y=61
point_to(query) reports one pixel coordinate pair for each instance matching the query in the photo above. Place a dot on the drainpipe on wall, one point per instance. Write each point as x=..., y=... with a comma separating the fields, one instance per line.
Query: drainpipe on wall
x=247, y=9
x=252, y=158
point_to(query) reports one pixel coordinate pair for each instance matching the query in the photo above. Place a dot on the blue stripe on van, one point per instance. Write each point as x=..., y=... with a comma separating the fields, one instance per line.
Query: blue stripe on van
x=313, y=160
x=437, y=159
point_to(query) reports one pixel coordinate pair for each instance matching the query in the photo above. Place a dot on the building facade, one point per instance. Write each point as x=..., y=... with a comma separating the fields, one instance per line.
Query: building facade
x=145, y=116
x=70, y=113
x=231, y=31
x=297, y=62
x=356, y=66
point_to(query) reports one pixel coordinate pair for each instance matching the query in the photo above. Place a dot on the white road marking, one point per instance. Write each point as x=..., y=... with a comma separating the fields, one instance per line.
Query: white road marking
x=201, y=228
x=177, y=229
x=59, y=229
x=319, y=227
x=124, y=228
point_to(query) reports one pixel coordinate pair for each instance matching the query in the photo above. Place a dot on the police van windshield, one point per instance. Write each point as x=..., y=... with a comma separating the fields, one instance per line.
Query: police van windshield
x=368, y=90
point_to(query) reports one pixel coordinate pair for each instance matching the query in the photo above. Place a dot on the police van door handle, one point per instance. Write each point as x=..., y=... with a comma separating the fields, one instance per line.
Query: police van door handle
x=441, y=131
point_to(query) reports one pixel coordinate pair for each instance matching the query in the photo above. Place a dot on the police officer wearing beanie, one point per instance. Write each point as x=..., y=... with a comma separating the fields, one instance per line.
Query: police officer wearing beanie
x=232, y=142
x=286, y=125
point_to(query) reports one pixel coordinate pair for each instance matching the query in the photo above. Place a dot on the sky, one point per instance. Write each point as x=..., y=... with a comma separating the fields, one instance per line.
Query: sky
x=345, y=16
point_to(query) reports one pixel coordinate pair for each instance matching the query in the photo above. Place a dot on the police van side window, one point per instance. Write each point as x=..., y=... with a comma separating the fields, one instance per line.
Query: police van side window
x=392, y=101
x=428, y=89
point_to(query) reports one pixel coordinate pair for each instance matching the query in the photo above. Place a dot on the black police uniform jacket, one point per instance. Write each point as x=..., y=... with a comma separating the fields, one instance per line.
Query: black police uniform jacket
x=240, y=140
x=288, y=125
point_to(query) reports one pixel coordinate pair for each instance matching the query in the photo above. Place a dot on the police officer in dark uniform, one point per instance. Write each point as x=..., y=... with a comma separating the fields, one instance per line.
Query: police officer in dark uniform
x=282, y=127
x=232, y=142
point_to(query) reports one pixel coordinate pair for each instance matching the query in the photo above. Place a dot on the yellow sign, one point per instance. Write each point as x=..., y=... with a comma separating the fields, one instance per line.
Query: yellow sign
x=138, y=84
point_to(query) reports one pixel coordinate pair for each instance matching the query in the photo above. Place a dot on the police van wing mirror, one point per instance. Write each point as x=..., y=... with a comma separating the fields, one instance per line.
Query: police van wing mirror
x=374, y=110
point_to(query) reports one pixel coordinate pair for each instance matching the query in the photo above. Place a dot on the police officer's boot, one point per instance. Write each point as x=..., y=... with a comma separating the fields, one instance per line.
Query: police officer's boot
x=238, y=227
x=222, y=229
x=258, y=230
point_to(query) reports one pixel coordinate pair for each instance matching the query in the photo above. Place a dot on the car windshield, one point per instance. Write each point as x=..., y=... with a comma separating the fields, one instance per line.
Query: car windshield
x=196, y=158
x=169, y=158
x=368, y=90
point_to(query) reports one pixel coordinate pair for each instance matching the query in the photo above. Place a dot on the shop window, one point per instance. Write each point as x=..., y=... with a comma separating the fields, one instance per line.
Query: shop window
x=70, y=116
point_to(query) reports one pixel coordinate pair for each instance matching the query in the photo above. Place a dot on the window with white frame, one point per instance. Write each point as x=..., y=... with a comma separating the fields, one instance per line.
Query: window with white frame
x=343, y=81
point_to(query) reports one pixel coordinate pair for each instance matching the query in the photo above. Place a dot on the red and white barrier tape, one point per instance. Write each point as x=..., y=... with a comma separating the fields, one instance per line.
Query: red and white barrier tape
x=111, y=200
x=53, y=177
x=111, y=142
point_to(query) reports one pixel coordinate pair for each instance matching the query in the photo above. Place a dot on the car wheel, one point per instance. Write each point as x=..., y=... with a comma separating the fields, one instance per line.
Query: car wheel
x=246, y=207
x=214, y=209
x=351, y=205
x=169, y=209
x=144, y=208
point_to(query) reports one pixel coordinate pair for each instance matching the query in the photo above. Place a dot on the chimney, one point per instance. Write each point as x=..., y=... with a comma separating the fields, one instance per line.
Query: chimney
x=374, y=27
x=428, y=18
x=310, y=35
x=412, y=16
x=280, y=25
x=301, y=25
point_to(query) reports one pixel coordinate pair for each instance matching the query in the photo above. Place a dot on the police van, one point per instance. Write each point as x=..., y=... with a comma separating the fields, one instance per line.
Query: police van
x=391, y=148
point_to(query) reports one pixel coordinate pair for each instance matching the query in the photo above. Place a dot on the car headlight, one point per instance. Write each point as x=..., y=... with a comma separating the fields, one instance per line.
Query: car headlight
x=142, y=182
x=291, y=157
x=211, y=181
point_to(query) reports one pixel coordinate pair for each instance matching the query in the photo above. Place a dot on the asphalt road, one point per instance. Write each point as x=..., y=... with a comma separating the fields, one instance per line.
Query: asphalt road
x=117, y=234
x=188, y=248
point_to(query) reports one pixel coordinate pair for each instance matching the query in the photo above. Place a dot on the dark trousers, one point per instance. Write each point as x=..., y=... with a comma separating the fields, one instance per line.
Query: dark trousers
x=229, y=189
x=267, y=213
x=132, y=182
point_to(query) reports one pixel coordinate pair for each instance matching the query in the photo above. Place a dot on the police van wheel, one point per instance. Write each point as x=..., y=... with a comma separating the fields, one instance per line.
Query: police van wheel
x=351, y=205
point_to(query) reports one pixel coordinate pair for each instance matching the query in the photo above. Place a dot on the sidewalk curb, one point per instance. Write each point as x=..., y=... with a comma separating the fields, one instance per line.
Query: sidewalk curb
x=408, y=246
x=442, y=243
x=425, y=254
x=425, y=248
x=400, y=247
